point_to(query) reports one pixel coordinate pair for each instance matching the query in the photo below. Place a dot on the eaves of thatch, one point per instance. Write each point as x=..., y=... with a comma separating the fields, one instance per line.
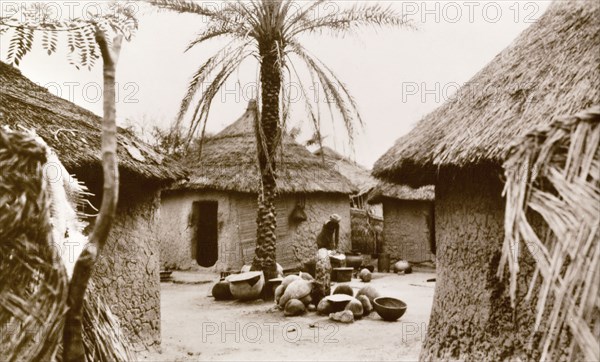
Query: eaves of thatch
x=387, y=190
x=73, y=131
x=551, y=69
x=227, y=162
x=359, y=176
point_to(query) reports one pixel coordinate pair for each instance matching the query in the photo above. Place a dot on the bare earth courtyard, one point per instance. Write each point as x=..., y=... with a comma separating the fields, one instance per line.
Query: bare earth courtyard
x=195, y=327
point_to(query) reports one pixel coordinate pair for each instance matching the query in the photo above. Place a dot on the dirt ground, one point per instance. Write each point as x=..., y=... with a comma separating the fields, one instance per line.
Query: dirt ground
x=195, y=327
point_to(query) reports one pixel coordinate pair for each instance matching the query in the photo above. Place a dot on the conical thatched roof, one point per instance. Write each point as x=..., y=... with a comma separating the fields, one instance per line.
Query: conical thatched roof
x=359, y=176
x=551, y=69
x=72, y=131
x=228, y=163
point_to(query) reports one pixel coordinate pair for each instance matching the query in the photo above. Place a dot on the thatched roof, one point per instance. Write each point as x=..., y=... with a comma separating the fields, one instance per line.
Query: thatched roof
x=72, y=131
x=388, y=190
x=228, y=163
x=551, y=69
x=359, y=176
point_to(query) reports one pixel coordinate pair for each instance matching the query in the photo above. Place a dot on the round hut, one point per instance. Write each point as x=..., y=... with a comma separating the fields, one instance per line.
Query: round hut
x=407, y=221
x=210, y=220
x=127, y=273
x=551, y=69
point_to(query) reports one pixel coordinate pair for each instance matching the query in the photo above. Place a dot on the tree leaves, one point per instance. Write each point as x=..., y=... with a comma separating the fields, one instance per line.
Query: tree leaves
x=49, y=40
x=20, y=44
x=257, y=22
x=79, y=34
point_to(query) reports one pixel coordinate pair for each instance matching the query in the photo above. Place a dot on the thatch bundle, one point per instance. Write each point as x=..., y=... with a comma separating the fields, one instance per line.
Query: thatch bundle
x=34, y=215
x=33, y=280
x=555, y=172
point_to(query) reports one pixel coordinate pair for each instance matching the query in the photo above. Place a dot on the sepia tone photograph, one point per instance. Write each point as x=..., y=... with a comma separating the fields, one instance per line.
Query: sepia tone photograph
x=299, y=180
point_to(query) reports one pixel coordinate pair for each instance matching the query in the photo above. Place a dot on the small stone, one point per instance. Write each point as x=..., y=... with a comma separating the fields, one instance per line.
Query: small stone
x=344, y=316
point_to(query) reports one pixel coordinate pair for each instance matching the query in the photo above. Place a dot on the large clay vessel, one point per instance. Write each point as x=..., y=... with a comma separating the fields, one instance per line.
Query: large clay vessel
x=246, y=286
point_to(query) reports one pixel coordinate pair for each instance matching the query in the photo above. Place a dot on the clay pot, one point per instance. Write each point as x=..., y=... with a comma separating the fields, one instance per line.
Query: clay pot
x=390, y=309
x=354, y=260
x=337, y=302
x=221, y=291
x=246, y=286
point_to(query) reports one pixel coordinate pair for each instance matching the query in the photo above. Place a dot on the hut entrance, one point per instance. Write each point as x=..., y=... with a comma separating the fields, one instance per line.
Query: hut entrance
x=204, y=215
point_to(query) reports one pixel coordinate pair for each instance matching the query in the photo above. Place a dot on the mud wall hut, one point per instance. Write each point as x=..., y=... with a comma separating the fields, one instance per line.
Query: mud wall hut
x=127, y=274
x=408, y=213
x=210, y=220
x=550, y=69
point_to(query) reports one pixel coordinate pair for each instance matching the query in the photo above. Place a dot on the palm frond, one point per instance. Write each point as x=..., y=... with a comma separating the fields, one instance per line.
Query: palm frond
x=201, y=112
x=219, y=29
x=328, y=83
x=190, y=7
x=352, y=19
x=223, y=56
x=308, y=104
x=303, y=16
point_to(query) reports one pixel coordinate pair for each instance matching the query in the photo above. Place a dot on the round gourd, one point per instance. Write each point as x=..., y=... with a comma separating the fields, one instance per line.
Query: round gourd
x=365, y=275
x=355, y=307
x=306, y=276
x=325, y=306
x=221, y=291
x=278, y=293
x=306, y=300
x=370, y=292
x=289, y=280
x=366, y=303
x=296, y=290
x=294, y=307
x=344, y=289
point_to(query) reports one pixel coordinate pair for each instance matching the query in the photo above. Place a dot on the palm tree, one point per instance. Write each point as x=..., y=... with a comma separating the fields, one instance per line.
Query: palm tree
x=268, y=30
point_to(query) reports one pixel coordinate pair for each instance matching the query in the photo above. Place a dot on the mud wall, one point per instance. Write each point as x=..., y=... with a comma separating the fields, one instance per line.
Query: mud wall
x=127, y=272
x=472, y=318
x=296, y=241
x=318, y=209
x=407, y=230
x=175, y=229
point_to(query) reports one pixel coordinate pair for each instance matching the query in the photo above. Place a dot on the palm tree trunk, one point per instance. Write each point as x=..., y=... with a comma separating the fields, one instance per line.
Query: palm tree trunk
x=267, y=136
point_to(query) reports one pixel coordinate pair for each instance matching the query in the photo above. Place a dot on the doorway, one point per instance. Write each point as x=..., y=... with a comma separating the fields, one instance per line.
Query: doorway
x=205, y=235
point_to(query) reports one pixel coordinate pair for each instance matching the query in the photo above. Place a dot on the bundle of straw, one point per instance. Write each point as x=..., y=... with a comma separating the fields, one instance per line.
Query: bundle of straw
x=34, y=215
x=555, y=173
x=33, y=280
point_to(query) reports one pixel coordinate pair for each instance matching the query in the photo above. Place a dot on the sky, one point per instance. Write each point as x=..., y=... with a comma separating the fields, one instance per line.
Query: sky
x=397, y=76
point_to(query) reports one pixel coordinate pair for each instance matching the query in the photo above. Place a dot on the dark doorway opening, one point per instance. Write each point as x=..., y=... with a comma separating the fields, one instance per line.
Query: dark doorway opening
x=205, y=243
